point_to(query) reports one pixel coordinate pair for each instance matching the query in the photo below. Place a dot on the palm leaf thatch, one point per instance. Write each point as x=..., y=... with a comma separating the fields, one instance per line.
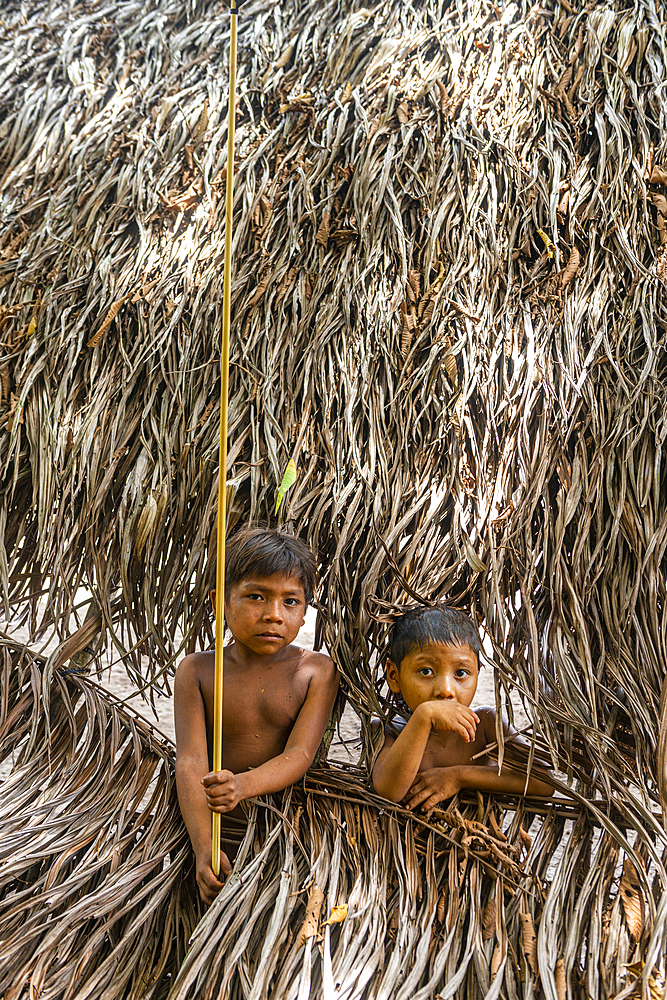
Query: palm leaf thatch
x=450, y=251
x=335, y=892
x=96, y=882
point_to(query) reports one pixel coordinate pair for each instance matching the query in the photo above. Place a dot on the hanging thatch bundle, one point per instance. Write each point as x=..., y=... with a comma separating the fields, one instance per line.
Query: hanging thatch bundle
x=448, y=306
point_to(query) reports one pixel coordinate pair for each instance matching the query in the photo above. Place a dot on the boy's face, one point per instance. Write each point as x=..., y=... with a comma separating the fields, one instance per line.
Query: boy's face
x=265, y=613
x=433, y=673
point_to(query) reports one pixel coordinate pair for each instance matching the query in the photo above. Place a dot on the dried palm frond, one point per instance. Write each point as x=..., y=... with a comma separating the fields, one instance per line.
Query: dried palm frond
x=339, y=893
x=333, y=885
x=97, y=896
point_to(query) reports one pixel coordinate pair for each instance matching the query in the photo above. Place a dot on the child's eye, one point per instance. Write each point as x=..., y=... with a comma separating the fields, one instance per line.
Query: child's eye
x=462, y=673
x=291, y=602
x=426, y=672
x=254, y=597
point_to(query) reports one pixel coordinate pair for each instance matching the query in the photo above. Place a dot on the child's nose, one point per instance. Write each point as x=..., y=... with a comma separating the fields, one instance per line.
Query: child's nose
x=272, y=611
x=444, y=687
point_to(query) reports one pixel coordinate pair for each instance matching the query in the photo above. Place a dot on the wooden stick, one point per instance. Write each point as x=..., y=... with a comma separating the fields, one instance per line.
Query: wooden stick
x=222, y=464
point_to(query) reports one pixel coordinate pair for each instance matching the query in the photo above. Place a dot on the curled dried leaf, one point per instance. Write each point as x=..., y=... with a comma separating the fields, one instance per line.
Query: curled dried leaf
x=403, y=113
x=489, y=920
x=259, y=291
x=632, y=900
x=529, y=941
x=658, y=175
x=312, y=918
x=108, y=320
x=323, y=232
x=570, y=270
x=337, y=915
x=561, y=983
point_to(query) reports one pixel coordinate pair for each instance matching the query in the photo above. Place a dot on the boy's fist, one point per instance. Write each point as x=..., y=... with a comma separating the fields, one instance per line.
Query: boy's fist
x=453, y=717
x=209, y=886
x=223, y=790
x=432, y=786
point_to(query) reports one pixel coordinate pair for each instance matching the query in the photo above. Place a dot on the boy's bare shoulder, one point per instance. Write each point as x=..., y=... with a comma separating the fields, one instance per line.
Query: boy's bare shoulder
x=487, y=716
x=318, y=664
x=195, y=665
x=391, y=727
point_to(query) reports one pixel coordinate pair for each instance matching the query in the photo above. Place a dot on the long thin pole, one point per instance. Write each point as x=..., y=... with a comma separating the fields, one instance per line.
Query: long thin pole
x=222, y=465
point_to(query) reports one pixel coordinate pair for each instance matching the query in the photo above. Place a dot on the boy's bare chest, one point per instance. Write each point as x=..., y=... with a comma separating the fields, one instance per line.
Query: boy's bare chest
x=266, y=700
x=448, y=750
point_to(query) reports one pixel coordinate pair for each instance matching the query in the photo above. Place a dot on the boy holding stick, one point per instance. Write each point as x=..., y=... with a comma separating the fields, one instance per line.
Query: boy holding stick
x=277, y=697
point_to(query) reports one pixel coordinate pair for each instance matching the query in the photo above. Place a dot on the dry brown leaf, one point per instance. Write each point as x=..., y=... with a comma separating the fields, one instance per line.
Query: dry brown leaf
x=658, y=200
x=496, y=829
x=570, y=270
x=452, y=370
x=323, y=232
x=529, y=941
x=489, y=920
x=564, y=82
x=108, y=320
x=206, y=414
x=403, y=113
x=658, y=175
x=632, y=900
x=559, y=976
x=337, y=915
x=310, y=924
x=414, y=285
x=5, y=383
x=202, y=125
x=409, y=324
x=468, y=481
x=259, y=291
x=144, y=290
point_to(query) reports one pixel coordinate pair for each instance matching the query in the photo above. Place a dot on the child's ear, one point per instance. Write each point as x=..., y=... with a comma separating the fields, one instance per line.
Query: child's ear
x=392, y=671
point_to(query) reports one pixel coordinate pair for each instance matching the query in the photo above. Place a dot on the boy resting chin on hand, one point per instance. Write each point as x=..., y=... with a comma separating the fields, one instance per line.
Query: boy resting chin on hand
x=434, y=665
x=277, y=697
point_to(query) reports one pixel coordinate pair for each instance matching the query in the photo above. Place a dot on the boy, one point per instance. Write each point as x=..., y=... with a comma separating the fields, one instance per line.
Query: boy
x=433, y=665
x=277, y=697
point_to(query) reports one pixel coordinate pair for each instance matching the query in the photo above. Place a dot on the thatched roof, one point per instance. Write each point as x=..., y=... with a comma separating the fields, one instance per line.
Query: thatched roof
x=448, y=291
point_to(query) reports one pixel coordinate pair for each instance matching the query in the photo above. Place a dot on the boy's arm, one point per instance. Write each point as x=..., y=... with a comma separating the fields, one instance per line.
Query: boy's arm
x=398, y=762
x=225, y=790
x=191, y=766
x=438, y=783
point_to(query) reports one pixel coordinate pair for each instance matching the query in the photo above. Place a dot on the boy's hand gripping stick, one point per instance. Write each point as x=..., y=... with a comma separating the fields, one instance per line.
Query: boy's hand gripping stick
x=222, y=464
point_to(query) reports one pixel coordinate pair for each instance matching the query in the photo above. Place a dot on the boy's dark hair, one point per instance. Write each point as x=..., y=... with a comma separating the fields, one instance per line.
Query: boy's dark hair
x=423, y=626
x=265, y=552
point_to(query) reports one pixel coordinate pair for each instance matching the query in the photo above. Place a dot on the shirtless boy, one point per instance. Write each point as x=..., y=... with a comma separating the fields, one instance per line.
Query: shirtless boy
x=277, y=697
x=433, y=665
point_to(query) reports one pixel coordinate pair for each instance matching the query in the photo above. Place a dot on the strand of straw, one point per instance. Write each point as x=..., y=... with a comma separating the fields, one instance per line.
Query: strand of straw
x=222, y=465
